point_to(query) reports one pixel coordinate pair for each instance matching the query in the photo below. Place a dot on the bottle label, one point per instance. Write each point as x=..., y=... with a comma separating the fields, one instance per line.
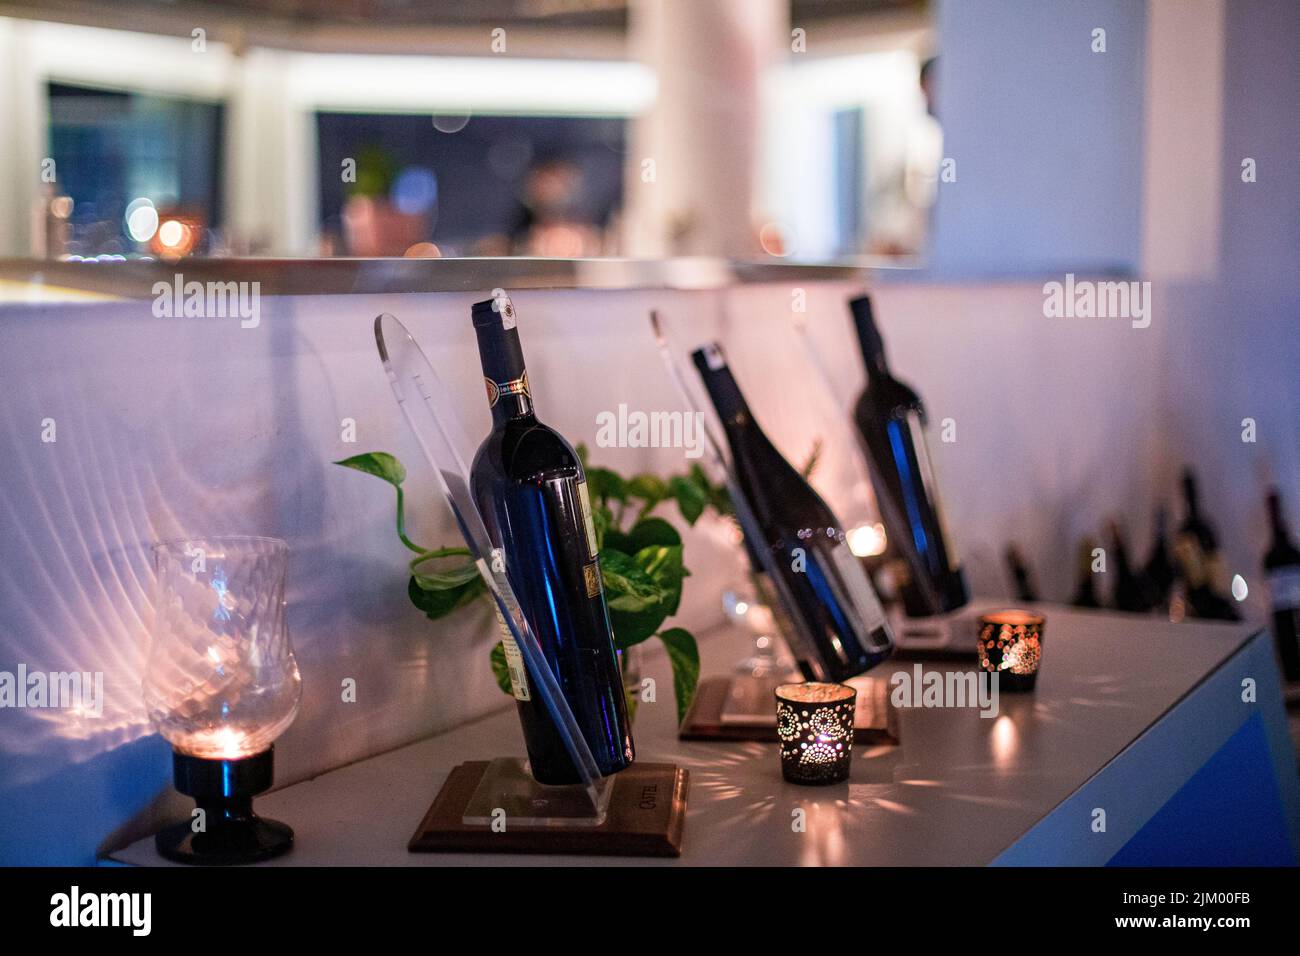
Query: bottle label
x=584, y=502
x=1284, y=586
x=591, y=577
x=514, y=659
x=516, y=386
x=861, y=593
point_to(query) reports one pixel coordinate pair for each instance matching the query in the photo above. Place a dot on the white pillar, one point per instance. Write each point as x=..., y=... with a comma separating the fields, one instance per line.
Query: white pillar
x=693, y=156
x=270, y=157
x=23, y=114
x=1184, y=138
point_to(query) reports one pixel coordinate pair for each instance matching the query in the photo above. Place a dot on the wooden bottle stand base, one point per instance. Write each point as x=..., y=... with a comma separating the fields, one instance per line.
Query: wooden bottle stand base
x=645, y=817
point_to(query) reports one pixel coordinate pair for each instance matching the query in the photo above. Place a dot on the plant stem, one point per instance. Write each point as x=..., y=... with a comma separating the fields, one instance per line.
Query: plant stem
x=401, y=523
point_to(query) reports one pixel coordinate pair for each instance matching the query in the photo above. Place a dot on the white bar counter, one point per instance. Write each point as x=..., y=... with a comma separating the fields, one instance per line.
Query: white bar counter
x=1139, y=745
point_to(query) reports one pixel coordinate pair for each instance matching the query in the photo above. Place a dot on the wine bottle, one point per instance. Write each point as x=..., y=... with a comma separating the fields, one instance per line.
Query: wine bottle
x=1129, y=594
x=531, y=490
x=1282, y=567
x=890, y=421
x=839, y=628
x=1025, y=590
x=1158, y=572
x=1085, y=593
x=1200, y=563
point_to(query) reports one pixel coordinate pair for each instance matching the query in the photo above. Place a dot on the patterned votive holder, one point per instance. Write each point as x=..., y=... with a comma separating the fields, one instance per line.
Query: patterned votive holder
x=1011, y=646
x=815, y=724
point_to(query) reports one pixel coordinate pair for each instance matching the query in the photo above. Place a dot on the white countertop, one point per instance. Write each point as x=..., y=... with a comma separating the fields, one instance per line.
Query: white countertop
x=958, y=789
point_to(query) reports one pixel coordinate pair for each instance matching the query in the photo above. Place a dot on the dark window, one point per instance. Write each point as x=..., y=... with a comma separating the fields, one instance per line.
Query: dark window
x=111, y=147
x=469, y=177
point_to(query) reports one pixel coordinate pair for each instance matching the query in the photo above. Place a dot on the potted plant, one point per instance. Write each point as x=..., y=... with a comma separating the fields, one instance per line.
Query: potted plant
x=372, y=224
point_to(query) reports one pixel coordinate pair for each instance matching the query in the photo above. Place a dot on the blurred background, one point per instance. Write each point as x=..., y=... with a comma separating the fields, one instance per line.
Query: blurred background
x=799, y=129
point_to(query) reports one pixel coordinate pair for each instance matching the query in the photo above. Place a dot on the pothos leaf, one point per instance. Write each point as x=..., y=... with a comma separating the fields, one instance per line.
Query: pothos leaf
x=650, y=531
x=650, y=488
x=691, y=498
x=500, y=669
x=664, y=566
x=606, y=485
x=684, y=658
x=377, y=463
x=627, y=586
x=439, y=602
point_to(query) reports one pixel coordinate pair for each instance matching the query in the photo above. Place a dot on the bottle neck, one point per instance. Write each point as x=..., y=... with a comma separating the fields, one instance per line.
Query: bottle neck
x=1277, y=521
x=873, y=346
x=1189, y=495
x=723, y=391
x=504, y=375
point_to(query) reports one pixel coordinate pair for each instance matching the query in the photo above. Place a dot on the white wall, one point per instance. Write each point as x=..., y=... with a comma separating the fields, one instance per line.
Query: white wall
x=1231, y=322
x=1046, y=135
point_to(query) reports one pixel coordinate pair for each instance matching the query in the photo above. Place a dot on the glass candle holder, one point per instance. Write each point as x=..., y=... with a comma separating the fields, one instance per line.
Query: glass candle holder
x=1011, y=646
x=814, y=722
x=220, y=686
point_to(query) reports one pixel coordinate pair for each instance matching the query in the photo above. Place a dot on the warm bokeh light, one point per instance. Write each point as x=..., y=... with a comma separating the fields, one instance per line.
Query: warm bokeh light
x=171, y=233
x=177, y=235
x=867, y=540
x=223, y=743
x=772, y=238
x=423, y=250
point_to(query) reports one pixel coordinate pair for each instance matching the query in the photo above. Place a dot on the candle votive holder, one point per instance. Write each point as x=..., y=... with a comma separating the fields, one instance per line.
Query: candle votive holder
x=814, y=722
x=1011, y=646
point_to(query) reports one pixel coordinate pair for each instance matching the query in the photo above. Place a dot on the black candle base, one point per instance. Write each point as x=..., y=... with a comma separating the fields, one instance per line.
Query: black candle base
x=231, y=832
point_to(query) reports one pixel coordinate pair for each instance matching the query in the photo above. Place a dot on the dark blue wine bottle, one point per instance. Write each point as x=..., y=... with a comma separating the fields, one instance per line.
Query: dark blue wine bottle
x=839, y=628
x=532, y=493
x=891, y=426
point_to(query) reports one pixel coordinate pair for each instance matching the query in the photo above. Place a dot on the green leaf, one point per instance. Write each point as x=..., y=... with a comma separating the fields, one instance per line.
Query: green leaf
x=637, y=604
x=603, y=521
x=583, y=454
x=627, y=586
x=664, y=566
x=684, y=657
x=651, y=488
x=691, y=498
x=377, y=463
x=616, y=540
x=500, y=669
x=651, y=531
x=440, y=602
x=606, y=485
x=716, y=495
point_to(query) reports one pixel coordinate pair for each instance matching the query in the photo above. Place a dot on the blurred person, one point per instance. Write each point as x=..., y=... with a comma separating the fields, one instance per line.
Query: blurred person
x=550, y=220
x=904, y=204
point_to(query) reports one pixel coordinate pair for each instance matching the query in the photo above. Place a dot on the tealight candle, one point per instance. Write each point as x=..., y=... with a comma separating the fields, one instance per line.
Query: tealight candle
x=1011, y=646
x=814, y=722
